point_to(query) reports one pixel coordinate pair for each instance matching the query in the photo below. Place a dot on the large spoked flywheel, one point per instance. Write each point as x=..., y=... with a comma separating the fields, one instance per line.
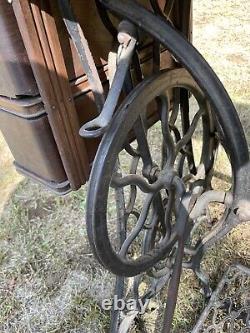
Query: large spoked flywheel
x=165, y=172
x=152, y=180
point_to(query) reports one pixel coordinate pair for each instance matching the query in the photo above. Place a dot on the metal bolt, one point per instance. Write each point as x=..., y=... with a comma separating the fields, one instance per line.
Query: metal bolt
x=124, y=38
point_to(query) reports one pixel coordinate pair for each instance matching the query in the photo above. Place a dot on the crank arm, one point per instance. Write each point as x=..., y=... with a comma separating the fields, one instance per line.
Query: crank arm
x=127, y=40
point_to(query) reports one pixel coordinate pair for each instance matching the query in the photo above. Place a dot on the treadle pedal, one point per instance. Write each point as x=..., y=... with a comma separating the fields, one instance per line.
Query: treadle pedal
x=229, y=307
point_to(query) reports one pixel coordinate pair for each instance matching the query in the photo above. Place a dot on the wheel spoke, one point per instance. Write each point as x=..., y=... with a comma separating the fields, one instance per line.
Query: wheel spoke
x=131, y=151
x=168, y=213
x=157, y=221
x=158, y=208
x=184, y=107
x=187, y=137
x=168, y=140
x=133, y=188
x=180, y=166
x=136, y=180
x=175, y=107
x=176, y=132
x=140, y=223
x=143, y=147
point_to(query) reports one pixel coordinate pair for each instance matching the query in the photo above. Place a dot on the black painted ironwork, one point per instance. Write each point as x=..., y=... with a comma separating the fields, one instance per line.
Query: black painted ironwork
x=173, y=193
x=229, y=307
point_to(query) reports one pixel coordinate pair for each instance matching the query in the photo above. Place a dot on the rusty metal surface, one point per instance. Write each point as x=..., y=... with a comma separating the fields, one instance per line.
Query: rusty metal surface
x=73, y=74
x=152, y=178
x=228, y=310
x=127, y=40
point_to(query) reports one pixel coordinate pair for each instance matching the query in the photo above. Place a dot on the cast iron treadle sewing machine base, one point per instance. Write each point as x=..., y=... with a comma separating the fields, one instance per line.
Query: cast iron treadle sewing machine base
x=157, y=237
x=160, y=120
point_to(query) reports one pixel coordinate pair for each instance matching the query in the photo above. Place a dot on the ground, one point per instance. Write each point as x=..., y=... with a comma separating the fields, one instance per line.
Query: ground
x=49, y=279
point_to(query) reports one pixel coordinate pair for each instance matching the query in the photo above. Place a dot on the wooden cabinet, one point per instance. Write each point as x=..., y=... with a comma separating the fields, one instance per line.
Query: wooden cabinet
x=45, y=67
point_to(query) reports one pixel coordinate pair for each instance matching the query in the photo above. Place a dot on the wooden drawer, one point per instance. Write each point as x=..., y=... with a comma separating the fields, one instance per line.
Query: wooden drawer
x=24, y=124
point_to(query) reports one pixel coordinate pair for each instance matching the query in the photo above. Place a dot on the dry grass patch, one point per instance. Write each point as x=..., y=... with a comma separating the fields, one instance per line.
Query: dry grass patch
x=49, y=280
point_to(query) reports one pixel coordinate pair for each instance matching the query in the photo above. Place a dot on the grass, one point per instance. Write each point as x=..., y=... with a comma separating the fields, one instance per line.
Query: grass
x=49, y=279
x=8, y=176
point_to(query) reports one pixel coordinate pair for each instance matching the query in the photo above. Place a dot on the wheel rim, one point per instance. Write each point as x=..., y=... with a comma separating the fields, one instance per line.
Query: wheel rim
x=104, y=167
